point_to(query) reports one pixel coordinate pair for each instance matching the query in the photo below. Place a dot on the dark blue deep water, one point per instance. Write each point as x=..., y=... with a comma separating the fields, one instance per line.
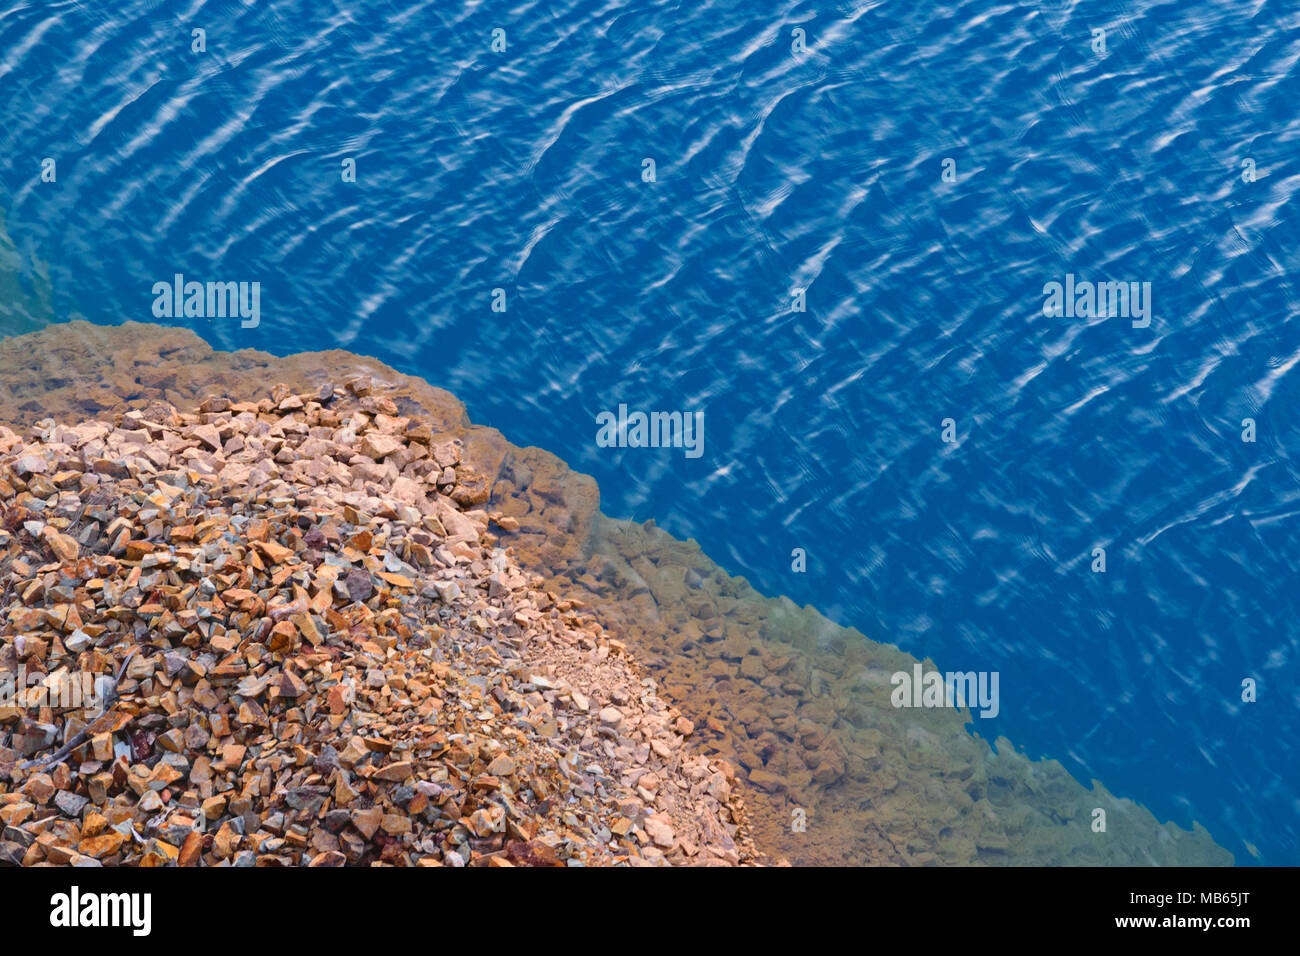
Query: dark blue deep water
x=776, y=171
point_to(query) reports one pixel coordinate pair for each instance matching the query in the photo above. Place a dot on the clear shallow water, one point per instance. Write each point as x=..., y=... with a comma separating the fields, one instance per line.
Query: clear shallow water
x=522, y=170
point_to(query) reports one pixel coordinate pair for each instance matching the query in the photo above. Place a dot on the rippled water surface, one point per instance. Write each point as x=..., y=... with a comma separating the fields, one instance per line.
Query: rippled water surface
x=775, y=171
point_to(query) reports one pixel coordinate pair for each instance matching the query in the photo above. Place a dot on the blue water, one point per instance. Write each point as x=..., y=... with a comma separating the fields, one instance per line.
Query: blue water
x=522, y=170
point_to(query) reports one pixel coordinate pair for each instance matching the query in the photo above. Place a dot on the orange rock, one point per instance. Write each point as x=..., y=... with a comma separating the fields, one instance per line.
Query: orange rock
x=307, y=628
x=396, y=772
x=106, y=844
x=337, y=699
x=277, y=553
x=291, y=685
x=367, y=821
x=64, y=547
x=283, y=638
x=190, y=849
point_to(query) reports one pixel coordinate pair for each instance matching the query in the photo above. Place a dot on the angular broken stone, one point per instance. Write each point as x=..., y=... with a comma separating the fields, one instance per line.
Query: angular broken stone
x=359, y=586
x=331, y=662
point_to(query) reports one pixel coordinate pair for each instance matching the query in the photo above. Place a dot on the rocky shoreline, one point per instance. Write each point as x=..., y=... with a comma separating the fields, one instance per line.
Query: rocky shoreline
x=700, y=692
x=321, y=658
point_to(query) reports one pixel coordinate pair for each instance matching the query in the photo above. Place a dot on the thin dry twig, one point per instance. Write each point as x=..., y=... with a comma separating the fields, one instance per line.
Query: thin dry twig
x=66, y=751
